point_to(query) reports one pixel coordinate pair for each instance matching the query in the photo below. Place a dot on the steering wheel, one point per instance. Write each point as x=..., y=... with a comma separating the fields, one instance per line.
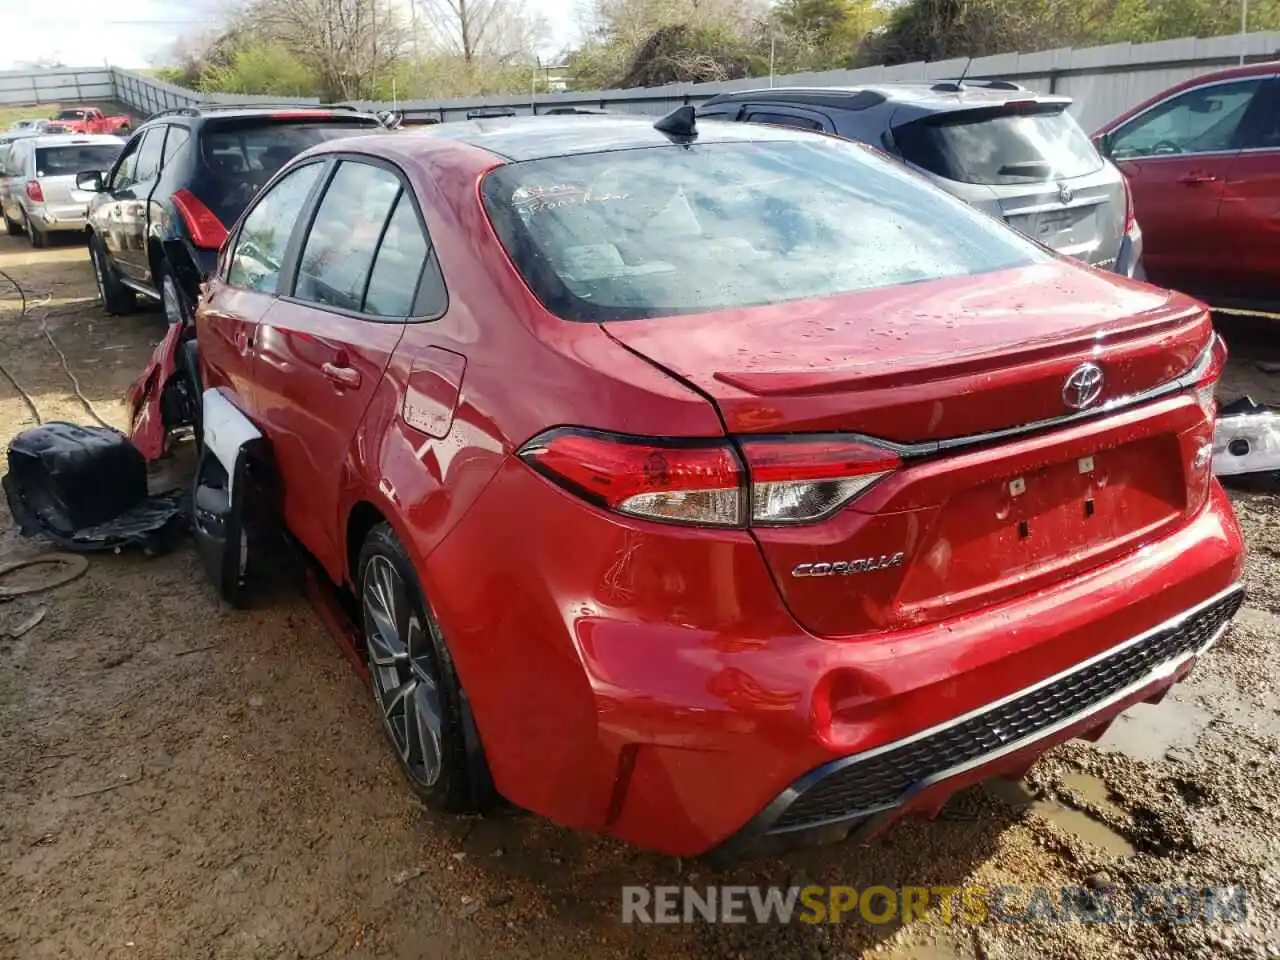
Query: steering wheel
x=1165, y=146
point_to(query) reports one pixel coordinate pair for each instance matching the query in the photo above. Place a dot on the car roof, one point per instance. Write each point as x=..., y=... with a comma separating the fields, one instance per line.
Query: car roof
x=938, y=96
x=534, y=138
x=65, y=139
x=291, y=111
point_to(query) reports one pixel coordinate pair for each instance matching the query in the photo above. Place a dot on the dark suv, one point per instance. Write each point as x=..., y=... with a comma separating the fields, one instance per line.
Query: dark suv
x=161, y=212
x=1011, y=152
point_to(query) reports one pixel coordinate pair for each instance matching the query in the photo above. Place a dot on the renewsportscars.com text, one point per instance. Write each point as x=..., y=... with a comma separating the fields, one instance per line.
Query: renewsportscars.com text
x=945, y=904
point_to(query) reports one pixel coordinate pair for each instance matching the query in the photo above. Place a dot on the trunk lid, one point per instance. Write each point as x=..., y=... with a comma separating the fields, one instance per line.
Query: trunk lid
x=63, y=190
x=960, y=524
x=1083, y=218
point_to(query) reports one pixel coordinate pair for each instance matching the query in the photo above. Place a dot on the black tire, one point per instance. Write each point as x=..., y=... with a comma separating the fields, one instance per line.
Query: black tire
x=12, y=227
x=39, y=239
x=459, y=782
x=116, y=297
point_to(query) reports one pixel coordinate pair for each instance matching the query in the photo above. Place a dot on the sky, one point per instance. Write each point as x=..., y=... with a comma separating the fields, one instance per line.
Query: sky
x=134, y=33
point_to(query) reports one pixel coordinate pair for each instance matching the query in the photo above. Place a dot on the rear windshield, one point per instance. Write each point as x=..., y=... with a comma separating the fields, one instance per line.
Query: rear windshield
x=241, y=156
x=76, y=158
x=69, y=115
x=1028, y=147
x=670, y=230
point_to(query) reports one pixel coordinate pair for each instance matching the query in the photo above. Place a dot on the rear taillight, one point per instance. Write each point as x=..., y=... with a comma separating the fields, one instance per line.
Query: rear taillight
x=34, y=191
x=1206, y=372
x=206, y=230
x=799, y=479
x=787, y=480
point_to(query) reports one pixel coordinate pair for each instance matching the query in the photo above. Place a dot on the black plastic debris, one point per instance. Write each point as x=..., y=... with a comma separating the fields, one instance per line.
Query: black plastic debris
x=85, y=489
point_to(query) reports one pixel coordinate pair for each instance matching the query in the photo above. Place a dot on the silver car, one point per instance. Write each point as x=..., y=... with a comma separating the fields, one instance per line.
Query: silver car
x=1012, y=152
x=38, y=193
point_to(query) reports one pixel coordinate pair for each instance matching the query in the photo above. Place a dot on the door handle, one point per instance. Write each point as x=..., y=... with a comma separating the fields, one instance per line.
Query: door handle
x=1192, y=179
x=342, y=376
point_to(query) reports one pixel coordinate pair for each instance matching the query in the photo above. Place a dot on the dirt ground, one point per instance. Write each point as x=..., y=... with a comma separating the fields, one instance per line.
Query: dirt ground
x=181, y=780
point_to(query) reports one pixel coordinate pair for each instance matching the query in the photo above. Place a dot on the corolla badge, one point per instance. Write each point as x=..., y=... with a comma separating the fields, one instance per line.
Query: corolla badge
x=1065, y=193
x=1083, y=386
x=845, y=568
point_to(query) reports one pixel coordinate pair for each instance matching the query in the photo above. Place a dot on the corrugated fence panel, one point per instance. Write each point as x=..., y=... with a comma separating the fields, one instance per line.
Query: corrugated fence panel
x=1102, y=81
x=55, y=86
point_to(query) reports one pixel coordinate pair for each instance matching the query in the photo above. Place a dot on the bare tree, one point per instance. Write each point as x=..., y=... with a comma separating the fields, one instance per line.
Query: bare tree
x=499, y=31
x=347, y=43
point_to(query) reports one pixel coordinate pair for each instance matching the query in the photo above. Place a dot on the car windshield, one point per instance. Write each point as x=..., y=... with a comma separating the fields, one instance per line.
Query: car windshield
x=76, y=158
x=1001, y=148
x=243, y=155
x=69, y=115
x=675, y=229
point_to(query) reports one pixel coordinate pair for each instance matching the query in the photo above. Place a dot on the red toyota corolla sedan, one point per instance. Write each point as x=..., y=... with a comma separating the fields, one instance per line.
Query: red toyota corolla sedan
x=700, y=484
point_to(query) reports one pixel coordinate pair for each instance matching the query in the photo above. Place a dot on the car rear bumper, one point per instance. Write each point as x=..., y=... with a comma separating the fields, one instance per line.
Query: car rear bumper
x=61, y=216
x=864, y=792
x=648, y=682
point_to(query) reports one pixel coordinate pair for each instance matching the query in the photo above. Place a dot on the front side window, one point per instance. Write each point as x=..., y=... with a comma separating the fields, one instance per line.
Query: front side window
x=1203, y=120
x=259, y=253
x=123, y=175
x=674, y=229
x=344, y=235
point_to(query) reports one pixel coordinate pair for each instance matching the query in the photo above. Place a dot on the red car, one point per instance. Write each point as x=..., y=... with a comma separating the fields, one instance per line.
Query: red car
x=91, y=120
x=698, y=484
x=1203, y=164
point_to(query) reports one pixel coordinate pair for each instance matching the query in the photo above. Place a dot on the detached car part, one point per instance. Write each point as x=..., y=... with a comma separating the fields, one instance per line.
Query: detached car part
x=1246, y=439
x=85, y=488
x=224, y=501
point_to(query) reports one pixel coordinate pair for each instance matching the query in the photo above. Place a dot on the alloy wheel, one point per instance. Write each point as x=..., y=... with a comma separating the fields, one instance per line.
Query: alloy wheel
x=403, y=671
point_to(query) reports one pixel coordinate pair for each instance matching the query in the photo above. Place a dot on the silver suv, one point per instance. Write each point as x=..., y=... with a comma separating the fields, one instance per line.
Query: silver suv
x=1009, y=151
x=38, y=192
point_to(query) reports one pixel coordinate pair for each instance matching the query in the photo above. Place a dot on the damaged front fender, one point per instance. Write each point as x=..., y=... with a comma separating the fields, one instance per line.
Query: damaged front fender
x=163, y=398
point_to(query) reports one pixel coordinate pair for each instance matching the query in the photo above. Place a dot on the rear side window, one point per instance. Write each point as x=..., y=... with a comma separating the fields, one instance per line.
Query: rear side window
x=76, y=158
x=784, y=120
x=674, y=229
x=177, y=139
x=398, y=265
x=344, y=235
x=240, y=156
x=999, y=146
x=260, y=248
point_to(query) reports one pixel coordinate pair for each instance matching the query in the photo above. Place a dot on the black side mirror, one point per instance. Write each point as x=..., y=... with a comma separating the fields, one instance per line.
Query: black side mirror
x=89, y=181
x=1104, y=143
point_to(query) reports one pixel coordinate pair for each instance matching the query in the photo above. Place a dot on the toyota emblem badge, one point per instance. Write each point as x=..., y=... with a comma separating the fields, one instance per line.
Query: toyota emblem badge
x=1083, y=386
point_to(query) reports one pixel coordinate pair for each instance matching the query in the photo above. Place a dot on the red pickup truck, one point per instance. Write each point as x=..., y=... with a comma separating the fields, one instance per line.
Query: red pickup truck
x=91, y=120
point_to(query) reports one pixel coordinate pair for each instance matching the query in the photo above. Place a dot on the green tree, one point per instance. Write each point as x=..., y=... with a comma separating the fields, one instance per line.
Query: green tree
x=263, y=66
x=824, y=34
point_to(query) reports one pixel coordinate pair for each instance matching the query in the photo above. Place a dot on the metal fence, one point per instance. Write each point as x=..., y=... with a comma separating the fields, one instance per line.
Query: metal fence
x=1103, y=81
x=21, y=87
